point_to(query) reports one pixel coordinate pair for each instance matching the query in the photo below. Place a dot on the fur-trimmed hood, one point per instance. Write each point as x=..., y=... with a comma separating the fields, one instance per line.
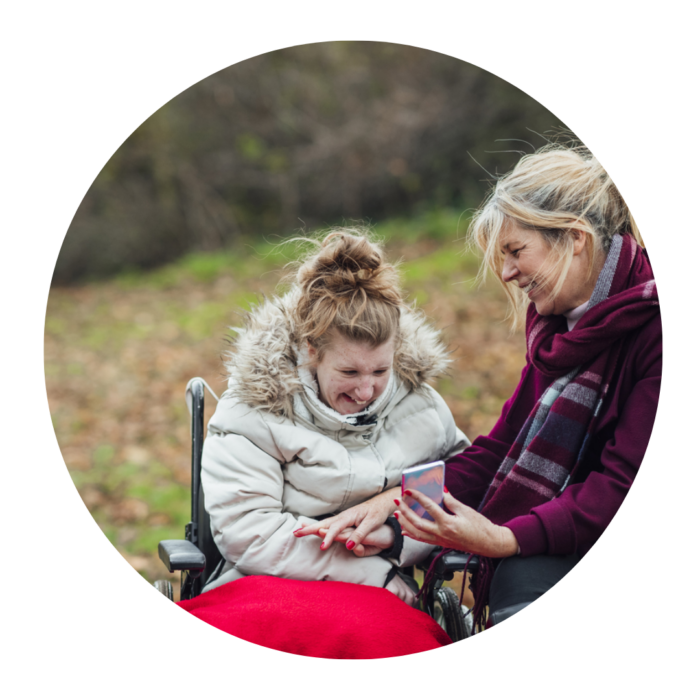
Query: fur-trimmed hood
x=262, y=365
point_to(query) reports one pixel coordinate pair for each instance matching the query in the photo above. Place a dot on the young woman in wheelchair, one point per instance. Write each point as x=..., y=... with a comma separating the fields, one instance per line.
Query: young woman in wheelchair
x=534, y=495
x=327, y=404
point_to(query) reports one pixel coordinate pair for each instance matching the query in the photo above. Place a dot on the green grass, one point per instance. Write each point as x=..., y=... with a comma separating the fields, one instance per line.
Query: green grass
x=147, y=540
x=198, y=323
x=247, y=259
x=252, y=258
x=150, y=483
x=440, y=265
x=445, y=225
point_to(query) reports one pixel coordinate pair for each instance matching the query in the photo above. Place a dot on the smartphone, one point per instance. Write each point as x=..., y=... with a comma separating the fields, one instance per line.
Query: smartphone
x=429, y=479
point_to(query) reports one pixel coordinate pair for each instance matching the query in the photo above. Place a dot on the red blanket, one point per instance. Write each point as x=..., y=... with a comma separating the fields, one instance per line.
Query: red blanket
x=328, y=619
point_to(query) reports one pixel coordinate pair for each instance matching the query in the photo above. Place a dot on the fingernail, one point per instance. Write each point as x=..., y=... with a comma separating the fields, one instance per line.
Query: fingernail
x=445, y=488
x=396, y=514
x=350, y=544
x=408, y=493
x=396, y=500
x=323, y=545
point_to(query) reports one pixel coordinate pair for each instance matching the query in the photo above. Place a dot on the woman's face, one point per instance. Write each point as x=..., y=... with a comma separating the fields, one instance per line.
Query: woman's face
x=352, y=374
x=526, y=256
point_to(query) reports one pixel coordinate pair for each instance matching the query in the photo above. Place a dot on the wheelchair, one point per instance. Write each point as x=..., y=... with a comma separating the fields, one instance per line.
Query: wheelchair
x=197, y=557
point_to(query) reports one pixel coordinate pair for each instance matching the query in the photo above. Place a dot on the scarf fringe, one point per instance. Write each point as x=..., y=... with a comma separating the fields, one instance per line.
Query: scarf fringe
x=480, y=586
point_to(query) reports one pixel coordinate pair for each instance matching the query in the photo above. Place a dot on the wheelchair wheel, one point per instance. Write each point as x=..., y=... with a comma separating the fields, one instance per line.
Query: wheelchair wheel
x=448, y=614
x=162, y=593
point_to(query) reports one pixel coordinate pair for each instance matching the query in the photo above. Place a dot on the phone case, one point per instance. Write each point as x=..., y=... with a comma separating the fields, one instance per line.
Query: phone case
x=428, y=479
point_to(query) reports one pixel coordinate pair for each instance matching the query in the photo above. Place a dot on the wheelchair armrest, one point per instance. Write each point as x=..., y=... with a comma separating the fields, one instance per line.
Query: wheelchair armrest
x=450, y=563
x=180, y=555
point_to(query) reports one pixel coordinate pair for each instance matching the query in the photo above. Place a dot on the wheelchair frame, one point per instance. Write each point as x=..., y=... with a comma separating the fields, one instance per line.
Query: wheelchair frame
x=197, y=556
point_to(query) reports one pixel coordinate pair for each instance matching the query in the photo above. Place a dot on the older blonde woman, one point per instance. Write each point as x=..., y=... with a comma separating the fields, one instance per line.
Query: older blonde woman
x=536, y=493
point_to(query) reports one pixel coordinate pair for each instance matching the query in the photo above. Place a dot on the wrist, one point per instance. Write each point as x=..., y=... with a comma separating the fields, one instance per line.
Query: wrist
x=509, y=544
x=390, y=494
x=388, y=498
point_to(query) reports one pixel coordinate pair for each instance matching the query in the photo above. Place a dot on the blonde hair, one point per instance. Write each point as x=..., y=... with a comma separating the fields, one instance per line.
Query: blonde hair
x=554, y=191
x=347, y=287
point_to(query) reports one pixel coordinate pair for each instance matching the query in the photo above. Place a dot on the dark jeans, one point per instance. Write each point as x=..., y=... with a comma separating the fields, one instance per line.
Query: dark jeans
x=518, y=581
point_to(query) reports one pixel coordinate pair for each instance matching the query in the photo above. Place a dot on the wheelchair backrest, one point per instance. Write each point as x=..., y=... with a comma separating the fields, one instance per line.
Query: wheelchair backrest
x=199, y=529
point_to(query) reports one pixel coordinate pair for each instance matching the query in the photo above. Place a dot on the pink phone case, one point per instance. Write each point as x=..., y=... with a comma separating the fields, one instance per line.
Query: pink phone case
x=428, y=479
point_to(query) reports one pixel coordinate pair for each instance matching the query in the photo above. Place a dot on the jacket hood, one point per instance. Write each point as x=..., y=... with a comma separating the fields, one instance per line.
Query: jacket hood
x=262, y=364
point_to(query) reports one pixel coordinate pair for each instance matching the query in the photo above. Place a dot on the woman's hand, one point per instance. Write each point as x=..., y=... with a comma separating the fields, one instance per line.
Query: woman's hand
x=464, y=529
x=364, y=517
x=376, y=541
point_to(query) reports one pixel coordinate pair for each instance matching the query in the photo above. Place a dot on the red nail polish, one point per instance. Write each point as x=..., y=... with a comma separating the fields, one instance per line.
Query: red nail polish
x=408, y=493
x=396, y=500
x=396, y=514
x=445, y=488
x=350, y=544
x=323, y=545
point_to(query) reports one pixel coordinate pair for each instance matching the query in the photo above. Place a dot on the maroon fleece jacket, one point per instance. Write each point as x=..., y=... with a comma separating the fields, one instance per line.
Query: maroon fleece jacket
x=573, y=522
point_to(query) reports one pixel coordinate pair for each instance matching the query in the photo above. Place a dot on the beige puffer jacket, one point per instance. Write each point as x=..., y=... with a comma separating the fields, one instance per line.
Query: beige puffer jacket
x=276, y=458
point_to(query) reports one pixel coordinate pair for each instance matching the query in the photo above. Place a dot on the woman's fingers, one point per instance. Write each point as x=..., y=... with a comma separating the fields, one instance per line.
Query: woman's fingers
x=373, y=515
x=365, y=517
x=359, y=550
x=370, y=523
x=304, y=530
x=315, y=528
x=453, y=504
x=436, y=512
x=408, y=517
x=310, y=529
x=341, y=536
x=414, y=526
x=334, y=530
x=418, y=534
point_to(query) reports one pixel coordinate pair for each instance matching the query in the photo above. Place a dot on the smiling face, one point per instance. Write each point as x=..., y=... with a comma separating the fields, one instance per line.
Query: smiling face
x=352, y=374
x=527, y=263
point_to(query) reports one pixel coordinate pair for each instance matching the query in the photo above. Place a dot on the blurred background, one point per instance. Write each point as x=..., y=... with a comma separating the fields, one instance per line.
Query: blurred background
x=180, y=232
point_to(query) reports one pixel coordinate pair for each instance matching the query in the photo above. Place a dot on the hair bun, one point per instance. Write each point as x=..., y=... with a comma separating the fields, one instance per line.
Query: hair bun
x=344, y=251
x=347, y=262
x=344, y=285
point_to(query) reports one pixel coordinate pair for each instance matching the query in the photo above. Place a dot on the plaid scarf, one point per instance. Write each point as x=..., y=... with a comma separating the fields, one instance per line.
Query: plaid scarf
x=553, y=440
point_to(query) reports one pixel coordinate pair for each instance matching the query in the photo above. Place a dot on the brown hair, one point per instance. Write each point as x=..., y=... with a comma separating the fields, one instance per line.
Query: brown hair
x=347, y=286
x=557, y=190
